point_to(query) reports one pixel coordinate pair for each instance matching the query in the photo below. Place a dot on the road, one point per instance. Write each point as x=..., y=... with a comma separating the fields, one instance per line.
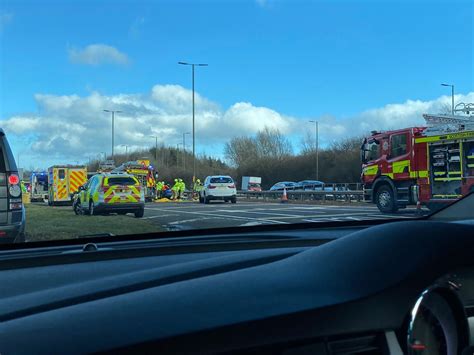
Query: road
x=190, y=215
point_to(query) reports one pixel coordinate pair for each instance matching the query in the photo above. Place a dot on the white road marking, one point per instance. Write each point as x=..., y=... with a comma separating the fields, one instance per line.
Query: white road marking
x=251, y=224
x=268, y=213
x=160, y=216
x=192, y=220
x=211, y=214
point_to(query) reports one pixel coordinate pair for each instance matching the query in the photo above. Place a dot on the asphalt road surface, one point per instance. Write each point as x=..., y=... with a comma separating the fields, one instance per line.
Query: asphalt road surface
x=191, y=215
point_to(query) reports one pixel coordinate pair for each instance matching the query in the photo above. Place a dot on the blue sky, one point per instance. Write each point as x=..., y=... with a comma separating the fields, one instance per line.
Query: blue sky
x=299, y=59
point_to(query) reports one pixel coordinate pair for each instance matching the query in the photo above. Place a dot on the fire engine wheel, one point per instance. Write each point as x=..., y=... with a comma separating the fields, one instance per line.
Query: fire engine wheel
x=385, y=199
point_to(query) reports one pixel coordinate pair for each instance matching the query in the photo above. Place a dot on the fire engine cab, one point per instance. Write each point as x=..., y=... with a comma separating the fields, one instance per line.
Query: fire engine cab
x=429, y=166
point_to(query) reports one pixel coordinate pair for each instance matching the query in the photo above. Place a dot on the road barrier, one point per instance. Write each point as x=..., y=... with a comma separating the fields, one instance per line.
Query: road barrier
x=346, y=196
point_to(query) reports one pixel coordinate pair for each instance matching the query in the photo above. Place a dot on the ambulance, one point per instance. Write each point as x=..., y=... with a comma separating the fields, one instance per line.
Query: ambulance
x=64, y=181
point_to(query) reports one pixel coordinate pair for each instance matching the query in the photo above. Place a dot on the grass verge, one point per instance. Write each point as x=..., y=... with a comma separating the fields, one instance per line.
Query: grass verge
x=52, y=223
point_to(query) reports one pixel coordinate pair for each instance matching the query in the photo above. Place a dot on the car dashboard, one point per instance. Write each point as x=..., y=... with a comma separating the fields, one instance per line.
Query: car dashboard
x=393, y=288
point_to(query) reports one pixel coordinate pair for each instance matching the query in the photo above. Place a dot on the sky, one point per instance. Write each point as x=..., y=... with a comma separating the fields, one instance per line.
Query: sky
x=354, y=66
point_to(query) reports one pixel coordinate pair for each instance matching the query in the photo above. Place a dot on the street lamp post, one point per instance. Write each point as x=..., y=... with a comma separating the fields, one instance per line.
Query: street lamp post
x=126, y=149
x=156, y=148
x=194, y=140
x=113, y=118
x=184, y=150
x=177, y=153
x=317, y=147
x=452, y=97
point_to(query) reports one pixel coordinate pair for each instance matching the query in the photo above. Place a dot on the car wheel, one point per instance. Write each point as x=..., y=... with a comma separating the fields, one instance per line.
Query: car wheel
x=139, y=213
x=91, y=208
x=385, y=199
x=206, y=200
x=234, y=199
x=76, y=208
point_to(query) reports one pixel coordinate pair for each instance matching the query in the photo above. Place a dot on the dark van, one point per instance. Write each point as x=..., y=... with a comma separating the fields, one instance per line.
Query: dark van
x=12, y=212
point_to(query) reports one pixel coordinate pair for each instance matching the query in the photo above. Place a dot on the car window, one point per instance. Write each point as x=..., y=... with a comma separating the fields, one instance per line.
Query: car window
x=61, y=174
x=398, y=145
x=120, y=181
x=312, y=96
x=221, y=180
x=2, y=162
x=93, y=183
x=373, y=151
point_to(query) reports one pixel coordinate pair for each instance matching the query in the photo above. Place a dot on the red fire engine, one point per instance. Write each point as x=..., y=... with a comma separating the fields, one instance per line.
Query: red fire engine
x=431, y=165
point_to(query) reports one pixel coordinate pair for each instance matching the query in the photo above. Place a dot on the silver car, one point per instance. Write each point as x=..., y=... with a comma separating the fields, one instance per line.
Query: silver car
x=12, y=211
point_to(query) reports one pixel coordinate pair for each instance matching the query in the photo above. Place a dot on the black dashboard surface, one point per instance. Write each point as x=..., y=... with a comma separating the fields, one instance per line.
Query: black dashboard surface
x=178, y=302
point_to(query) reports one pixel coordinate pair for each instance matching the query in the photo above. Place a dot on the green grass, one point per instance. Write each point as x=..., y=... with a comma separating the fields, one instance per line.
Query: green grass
x=52, y=223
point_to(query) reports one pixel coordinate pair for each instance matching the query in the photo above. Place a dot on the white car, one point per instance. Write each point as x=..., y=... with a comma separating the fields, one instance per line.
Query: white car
x=218, y=187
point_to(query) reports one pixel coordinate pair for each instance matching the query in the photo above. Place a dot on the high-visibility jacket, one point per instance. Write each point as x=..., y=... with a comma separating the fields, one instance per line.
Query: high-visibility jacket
x=159, y=185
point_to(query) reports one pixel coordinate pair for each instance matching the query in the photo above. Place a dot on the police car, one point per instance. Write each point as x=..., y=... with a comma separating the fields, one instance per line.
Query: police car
x=110, y=193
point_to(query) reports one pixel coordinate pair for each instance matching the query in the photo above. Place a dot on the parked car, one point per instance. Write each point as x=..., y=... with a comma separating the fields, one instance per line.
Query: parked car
x=309, y=185
x=12, y=211
x=219, y=187
x=289, y=185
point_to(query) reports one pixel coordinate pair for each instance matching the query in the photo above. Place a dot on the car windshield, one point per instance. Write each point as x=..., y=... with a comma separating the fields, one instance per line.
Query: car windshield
x=221, y=180
x=228, y=114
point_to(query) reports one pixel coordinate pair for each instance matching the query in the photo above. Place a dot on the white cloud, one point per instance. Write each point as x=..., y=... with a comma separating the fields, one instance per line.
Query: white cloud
x=391, y=116
x=261, y=3
x=74, y=128
x=5, y=19
x=96, y=54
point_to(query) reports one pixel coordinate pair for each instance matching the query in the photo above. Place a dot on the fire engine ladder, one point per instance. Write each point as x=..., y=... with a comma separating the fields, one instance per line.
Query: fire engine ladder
x=443, y=124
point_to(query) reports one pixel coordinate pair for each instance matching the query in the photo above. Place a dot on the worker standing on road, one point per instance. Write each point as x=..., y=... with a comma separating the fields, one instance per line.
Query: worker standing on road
x=182, y=188
x=197, y=188
x=159, y=188
x=175, y=190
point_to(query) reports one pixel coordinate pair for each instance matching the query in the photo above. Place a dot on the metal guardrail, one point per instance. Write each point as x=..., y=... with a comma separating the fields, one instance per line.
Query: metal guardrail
x=347, y=196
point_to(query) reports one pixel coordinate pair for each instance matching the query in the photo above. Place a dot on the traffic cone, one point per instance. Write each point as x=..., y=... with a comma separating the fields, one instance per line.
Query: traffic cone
x=284, y=197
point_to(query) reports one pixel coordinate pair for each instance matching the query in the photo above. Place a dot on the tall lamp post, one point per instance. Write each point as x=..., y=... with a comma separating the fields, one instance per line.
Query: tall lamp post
x=156, y=148
x=177, y=153
x=452, y=97
x=126, y=149
x=113, y=112
x=184, y=150
x=194, y=140
x=316, y=133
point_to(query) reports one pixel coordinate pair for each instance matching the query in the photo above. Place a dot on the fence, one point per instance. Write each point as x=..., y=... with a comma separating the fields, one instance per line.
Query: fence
x=347, y=196
x=348, y=192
